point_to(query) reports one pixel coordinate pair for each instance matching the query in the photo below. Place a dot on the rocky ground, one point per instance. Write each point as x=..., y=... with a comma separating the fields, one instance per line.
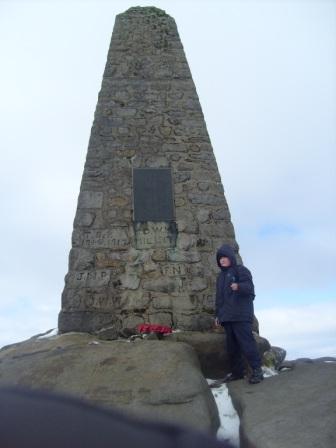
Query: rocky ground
x=165, y=380
x=148, y=378
x=211, y=350
x=296, y=408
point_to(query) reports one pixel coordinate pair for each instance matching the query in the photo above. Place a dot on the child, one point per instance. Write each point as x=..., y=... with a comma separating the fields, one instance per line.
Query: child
x=234, y=311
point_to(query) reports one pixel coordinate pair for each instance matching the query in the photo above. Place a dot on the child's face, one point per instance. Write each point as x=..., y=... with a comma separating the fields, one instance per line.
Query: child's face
x=224, y=262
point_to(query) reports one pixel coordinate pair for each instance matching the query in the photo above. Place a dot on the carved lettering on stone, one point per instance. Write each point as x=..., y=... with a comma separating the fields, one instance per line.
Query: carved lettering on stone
x=115, y=239
x=89, y=300
x=92, y=278
x=174, y=269
x=155, y=235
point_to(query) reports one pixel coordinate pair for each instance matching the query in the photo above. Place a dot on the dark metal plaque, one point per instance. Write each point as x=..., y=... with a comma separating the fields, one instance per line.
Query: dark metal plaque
x=153, y=195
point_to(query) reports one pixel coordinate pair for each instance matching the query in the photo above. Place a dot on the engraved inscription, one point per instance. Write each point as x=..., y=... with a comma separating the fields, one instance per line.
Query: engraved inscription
x=182, y=269
x=208, y=301
x=89, y=300
x=155, y=235
x=115, y=239
x=174, y=270
x=88, y=278
x=204, y=244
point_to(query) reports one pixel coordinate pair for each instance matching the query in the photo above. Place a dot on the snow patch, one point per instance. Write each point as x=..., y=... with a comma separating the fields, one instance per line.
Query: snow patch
x=269, y=371
x=229, y=419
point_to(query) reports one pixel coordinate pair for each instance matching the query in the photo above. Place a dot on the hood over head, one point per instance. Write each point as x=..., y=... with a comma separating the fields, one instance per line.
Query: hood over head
x=226, y=251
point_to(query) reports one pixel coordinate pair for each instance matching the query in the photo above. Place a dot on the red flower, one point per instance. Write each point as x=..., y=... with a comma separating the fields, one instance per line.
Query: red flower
x=154, y=328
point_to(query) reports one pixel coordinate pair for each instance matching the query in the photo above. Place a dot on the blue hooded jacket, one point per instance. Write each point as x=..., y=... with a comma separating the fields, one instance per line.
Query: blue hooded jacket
x=233, y=306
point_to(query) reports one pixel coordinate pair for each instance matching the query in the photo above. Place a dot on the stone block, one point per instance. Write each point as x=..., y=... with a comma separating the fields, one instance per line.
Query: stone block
x=84, y=321
x=160, y=319
x=111, y=261
x=174, y=269
x=204, y=244
x=153, y=235
x=203, y=215
x=184, y=304
x=186, y=221
x=162, y=302
x=81, y=259
x=114, y=239
x=205, y=199
x=159, y=255
x=84, y=218
x=185, y=241
x=198, y=284
x=193, y=322
x=135, y=301
x=88, y=279
x=183, y=256
x=221, y=213
x=162, y=284
x=129, y=281
x=181, y=176
x=208, y=301
x=132, y=321
x=90, y=199
x=214, y=229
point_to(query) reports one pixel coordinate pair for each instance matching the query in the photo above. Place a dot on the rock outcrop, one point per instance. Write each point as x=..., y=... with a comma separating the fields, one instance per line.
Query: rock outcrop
x=211, y=350
x=148, y=378
x=296, y=408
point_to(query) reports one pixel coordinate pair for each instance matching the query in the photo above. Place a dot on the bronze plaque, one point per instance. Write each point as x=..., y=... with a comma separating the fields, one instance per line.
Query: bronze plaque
x=153, y=195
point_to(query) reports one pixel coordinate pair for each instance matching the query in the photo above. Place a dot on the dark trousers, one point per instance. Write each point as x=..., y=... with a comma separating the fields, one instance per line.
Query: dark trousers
x=240, y=341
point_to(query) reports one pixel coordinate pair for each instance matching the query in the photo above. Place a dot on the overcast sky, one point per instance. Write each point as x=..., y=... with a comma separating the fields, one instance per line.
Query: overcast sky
x=265, y=72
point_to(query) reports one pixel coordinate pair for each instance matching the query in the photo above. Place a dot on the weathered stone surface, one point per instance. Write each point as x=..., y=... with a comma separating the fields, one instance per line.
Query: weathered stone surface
x=135, y=377
x=129, y=280
x=198, y=284
x=153, y=235
x=135, y=301
x=163, y=284
x=86, y=321
x=186, y=221
x=274, y=357
x=148, y=122
x=84, y=218
x=89, y=299
x=160, y=318
x=81, y=259
x=115, y=239
x=211, y=349
x=159, y=255
x=183, y=256
x=90, y=199
x=296, y=408
x=87, y=279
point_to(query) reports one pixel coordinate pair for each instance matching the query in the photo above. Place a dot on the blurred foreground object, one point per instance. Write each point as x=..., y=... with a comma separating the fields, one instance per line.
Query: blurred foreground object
x=40, y=419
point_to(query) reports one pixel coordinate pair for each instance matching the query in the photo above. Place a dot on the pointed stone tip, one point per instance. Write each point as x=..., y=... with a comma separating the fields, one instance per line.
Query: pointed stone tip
x=146, y=10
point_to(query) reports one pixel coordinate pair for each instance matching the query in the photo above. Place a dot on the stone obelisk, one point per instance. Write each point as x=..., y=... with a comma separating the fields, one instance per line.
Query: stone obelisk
x=151, y=210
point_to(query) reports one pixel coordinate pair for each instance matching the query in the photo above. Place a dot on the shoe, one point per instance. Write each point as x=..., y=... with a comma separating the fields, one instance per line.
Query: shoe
x=233, y=377
x=228, y=378
x=257, y=376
